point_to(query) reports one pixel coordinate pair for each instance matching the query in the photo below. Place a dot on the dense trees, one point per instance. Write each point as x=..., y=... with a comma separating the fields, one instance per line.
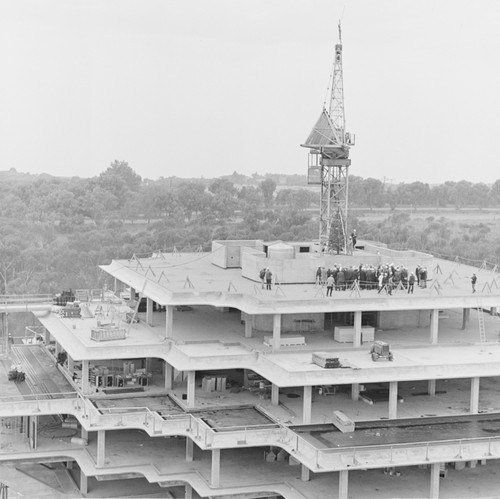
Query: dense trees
x=54, y=232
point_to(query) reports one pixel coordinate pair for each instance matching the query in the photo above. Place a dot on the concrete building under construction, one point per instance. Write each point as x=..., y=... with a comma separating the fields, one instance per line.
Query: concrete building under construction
x=186, y=377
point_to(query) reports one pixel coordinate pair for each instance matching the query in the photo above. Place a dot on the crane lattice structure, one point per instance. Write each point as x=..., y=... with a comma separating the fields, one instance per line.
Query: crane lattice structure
x=328, y=145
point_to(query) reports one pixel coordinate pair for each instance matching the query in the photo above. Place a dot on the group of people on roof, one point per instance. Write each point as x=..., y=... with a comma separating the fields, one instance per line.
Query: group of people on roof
x=383, y=276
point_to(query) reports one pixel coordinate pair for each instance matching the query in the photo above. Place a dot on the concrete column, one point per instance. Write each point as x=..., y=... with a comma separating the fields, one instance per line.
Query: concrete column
x=188, y=494
x=434, y=493
x=355, y=391
x=101, y=448
x=474, y=395
x=189, y=449
x=169, y=376
x=343, y=484
x=149, y=311
x=85, y=377
x=276, y=332
x=85, y=434
x=33, y=431
x=248, y=327
x=305, y=475
x=169, y=325
x=465, y=318
x=215, y=478
x=434, y=326
x=132, y=293
x=84, y=486
x=191, y=388
x=307, y=405
x=493, y=311
x=393, y=400
x=58, y=348
x=71, y=365
x=275, y=394
x=431, y=387
x=69, y=465
x=357, y=329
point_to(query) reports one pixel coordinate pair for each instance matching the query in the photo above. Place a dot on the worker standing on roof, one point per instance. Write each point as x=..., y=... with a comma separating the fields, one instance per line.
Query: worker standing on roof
x=269, y=279
x=473, y=281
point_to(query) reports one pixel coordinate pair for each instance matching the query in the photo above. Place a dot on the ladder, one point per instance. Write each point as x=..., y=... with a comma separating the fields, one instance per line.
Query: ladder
x=482, y=328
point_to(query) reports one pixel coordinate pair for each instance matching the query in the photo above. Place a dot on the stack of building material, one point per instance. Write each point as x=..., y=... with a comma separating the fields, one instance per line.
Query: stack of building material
x=325, y=360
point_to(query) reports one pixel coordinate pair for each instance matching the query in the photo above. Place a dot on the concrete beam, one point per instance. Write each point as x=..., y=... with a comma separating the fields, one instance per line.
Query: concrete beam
x=434, y=326
x=307, y=405
x=215, y=475
x=169, y=322
x=393, y=400
x=343, y=484
x=474, y=395
x=357, y=328
x=101, y=448
x=276, y=332
x=434, y=492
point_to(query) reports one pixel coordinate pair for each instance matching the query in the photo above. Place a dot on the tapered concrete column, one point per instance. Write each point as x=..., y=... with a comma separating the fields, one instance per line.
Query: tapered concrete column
x=149, y=311
x=215, y=478
x=33, y=431
x=343, y=484
x=189, y=449
x=132, y=293
x=276, y=332
x=393, y=400
x=493, y=311
x=305, y=475
x=169, y=376
x=355, y=391
x=357, y=329
x=431, y=387
x=85, y=434
x=190, y=388
x=434, y=493
x=248, y=327
x=474, y=395
x=85, y=377
x=169, y=325
x=58, y=349
x=307, y=405
x=84, y=485
x=275, y=394
x=465, y=318
x=434, y=326
x=101, y=448
x=188, y=494
x=69, y=465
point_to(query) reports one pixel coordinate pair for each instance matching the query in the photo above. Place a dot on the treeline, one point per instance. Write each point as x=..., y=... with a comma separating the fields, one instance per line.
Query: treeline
x=54, y=232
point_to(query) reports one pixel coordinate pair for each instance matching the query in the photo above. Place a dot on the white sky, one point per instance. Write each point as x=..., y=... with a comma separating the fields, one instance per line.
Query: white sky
x=205, y=87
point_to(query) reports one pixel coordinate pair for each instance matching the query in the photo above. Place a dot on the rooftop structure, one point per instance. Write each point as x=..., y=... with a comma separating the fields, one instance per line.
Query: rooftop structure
x=197, y=375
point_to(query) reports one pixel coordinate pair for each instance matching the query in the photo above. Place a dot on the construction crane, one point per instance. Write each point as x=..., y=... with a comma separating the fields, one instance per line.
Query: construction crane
x=328, y=164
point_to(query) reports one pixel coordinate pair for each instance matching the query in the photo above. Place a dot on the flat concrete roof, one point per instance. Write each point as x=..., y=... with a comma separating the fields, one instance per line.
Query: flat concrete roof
x=191, y=279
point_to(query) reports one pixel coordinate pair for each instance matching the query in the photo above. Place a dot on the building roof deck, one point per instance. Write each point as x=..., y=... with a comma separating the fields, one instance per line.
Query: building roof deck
x=191, y=278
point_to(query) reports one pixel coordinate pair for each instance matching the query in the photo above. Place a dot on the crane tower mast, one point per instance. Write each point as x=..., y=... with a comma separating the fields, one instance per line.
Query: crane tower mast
x=329, y=145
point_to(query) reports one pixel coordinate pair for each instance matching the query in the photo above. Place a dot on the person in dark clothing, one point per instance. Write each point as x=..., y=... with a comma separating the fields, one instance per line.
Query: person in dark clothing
x=269, y=279
x=411, y=283
x=473, y=281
